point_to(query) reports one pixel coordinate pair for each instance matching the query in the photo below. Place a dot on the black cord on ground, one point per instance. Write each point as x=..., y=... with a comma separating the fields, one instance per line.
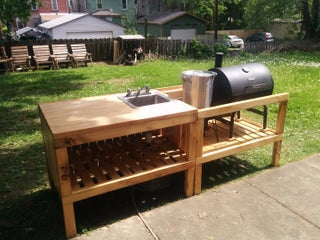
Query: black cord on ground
x=140, y=215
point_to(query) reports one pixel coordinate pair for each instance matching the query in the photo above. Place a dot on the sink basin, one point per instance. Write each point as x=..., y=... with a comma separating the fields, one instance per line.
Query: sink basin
x=145, y=99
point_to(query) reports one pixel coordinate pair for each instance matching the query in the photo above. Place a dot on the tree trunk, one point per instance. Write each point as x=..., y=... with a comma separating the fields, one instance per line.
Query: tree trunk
x=315, y=17
x=311, y=23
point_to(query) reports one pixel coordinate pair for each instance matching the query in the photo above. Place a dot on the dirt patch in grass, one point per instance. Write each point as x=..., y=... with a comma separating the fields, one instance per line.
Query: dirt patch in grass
x=120, y=82
x=115, y=82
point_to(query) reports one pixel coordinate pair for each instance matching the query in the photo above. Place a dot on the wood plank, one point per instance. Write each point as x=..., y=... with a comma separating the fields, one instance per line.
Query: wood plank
x=137, y=150
x=128, y=181
x=110, y=171
x=230, y=150
x=94, y=168
x=83, y=173
x=281, y=117
x=69, y=219
x=74, y=183
x=63, y=172
x=173, y=91
x=132, y=164
x=191, y=153
x=241, y=105
x=276, y=153
x=92, y=119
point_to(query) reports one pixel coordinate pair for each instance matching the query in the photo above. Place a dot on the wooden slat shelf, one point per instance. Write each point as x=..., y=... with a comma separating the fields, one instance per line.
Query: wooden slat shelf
x=214, y=142
x=96, y=164
x=217, y=134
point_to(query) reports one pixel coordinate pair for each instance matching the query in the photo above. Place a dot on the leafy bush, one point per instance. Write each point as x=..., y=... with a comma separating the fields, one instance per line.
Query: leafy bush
x=220, y=47
x=197, y=50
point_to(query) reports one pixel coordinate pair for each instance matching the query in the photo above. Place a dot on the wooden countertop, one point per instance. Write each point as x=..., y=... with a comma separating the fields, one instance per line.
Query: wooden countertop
x=72, y=119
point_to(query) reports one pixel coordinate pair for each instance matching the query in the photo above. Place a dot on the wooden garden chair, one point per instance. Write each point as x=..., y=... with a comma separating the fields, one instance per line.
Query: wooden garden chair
x=80, y=54
x=4, y=59
x=42, y=56
x=20, y=58
x=61, y=55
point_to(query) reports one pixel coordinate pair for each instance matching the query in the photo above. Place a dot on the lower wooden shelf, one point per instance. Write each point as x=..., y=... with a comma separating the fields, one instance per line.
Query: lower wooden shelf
x=217, y=134
x=124, y=160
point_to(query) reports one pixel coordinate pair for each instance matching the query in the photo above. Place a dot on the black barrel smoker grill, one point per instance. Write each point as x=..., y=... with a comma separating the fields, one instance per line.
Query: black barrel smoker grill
x=240, y=82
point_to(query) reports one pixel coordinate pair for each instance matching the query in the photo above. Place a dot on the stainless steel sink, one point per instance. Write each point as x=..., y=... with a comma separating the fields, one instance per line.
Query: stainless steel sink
x=154, y=97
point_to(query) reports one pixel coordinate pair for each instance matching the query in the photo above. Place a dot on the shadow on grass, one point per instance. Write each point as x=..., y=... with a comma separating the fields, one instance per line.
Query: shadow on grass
x=39, y=215
x=23, y=169
x=21, y=93
x=35, y=216
x=31, y=85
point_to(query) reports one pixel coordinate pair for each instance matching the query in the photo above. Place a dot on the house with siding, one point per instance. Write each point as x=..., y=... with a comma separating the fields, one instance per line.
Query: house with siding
x=80, y=26
x=174, y=25
x=118, y=11
x=111, y=10
x=159, y=18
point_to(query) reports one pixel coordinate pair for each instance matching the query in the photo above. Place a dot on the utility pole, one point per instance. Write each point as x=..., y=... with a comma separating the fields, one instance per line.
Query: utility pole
x=1, y=30
x=216, y=3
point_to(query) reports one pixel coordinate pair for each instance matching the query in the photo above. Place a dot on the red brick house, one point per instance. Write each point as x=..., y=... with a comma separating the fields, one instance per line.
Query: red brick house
x=47, y=10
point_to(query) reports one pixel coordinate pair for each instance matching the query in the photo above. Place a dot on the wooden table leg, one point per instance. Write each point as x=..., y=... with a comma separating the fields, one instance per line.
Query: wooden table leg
x=189, y=182
x=198, y=179
x=69, y=220
x=276, y=153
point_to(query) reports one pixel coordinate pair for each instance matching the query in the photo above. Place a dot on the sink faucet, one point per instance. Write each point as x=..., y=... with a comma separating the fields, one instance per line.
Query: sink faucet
x=129, y=91
x=146, y=88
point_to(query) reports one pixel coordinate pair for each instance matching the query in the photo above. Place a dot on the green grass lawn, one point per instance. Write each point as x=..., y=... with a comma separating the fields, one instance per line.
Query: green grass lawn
x=26, y=203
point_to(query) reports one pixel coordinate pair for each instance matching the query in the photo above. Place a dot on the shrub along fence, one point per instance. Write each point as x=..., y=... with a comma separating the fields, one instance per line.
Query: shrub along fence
x=102, y=49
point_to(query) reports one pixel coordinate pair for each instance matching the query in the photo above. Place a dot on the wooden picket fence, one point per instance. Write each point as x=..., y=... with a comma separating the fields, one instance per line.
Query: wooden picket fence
x=103, y=49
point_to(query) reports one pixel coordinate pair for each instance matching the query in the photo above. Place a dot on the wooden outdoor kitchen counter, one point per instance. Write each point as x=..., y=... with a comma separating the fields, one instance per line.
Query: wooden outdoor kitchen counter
x=83, y=120
x=96, y=145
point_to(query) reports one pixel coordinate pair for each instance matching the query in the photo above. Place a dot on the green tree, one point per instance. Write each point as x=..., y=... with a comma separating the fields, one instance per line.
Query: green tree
x=310, y=16
x=230, y=12
x=199, y=8
x=203, y=8
x=259, y=13
x=10, y=9
x=256, y=13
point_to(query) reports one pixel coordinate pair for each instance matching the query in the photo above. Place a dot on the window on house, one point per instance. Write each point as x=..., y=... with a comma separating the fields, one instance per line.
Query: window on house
x=34, y=6
x=54, y=4
x=124, y=4
x=99, y=2
x=19, y=23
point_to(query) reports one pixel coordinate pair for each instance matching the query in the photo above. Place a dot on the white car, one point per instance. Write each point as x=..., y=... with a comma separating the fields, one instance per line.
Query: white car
x=234, y=41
